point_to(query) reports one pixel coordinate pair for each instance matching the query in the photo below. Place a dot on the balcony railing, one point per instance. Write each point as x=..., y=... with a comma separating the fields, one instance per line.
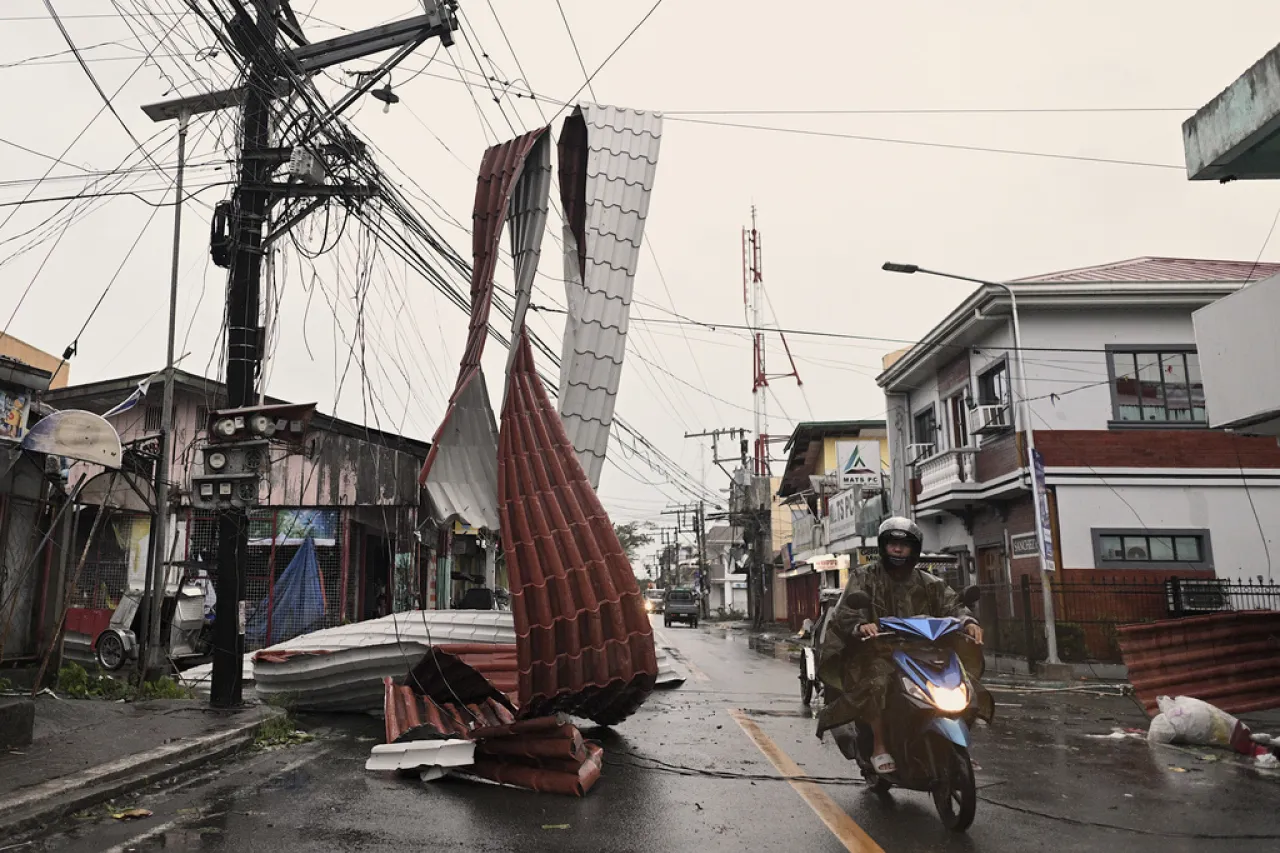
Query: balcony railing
x=943, y=470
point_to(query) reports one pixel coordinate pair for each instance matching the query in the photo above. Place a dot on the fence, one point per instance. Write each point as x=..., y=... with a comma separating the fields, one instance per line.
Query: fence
x=1088, y=613
x=273, y=544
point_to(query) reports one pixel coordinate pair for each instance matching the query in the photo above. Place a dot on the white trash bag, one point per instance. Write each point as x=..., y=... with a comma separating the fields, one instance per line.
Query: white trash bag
x=1193, y=722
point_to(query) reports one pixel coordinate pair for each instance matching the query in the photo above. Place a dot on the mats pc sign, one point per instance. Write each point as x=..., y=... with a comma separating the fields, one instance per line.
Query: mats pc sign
x=859, y=463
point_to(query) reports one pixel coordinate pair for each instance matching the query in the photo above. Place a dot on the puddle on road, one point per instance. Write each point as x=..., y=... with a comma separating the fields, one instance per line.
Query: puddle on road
x=774, y=648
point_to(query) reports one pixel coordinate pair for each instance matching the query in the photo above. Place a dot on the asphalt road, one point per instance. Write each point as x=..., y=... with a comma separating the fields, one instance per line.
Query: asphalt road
x=1046, y=782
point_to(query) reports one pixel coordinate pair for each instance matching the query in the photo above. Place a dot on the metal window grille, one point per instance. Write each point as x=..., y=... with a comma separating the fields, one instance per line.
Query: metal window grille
x=152, y=418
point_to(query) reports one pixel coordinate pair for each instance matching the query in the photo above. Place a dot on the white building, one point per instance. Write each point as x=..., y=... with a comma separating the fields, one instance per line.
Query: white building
x=1139, y=485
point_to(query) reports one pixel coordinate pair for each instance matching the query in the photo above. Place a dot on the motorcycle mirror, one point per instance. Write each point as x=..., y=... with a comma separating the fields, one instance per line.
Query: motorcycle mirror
x=859, y=600
x=971, y=596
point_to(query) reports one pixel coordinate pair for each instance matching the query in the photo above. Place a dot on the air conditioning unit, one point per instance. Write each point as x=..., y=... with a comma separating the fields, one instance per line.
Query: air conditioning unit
x=918, y=452
x=991, y=419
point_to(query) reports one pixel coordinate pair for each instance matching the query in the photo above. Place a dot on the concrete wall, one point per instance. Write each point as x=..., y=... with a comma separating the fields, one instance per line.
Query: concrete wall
x=37, y=358
x=1080, y=379
x=1238, y=547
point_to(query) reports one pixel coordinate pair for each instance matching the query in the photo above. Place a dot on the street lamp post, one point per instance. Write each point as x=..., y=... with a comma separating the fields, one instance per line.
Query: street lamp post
x=1024, y=410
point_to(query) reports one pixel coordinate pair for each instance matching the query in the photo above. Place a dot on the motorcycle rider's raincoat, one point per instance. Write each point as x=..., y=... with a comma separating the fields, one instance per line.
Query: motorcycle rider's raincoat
x=858, y=672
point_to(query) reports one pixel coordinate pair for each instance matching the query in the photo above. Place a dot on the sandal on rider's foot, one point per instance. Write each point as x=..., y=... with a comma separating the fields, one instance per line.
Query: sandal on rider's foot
x=883, y=763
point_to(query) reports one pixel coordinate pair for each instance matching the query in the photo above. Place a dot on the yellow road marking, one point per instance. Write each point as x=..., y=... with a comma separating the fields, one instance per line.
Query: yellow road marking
x=843, y=827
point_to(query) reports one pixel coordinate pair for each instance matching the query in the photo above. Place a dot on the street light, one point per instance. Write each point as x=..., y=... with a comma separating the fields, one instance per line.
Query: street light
x=1024, y=416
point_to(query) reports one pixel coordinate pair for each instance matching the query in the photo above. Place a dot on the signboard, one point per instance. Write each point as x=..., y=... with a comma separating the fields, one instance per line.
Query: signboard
x=14, y=410
x=830, y=563
x=859, y=463
x=1042, y=511
x=805, y=531
x=842, y=514
x=292, y=526
x=1023, y=545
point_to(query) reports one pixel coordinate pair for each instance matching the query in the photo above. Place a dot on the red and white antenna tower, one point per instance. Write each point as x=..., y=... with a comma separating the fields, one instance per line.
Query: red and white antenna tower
x=753, y=303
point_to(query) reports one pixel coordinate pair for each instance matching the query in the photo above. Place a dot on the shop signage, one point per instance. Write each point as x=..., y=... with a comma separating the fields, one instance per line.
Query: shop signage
x=842, y=514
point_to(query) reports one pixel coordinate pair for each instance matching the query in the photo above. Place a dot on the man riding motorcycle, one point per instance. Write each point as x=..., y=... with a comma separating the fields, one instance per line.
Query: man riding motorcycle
x=859, y=672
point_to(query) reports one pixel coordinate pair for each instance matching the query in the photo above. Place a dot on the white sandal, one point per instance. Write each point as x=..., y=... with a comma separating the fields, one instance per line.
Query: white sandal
x=884, y=764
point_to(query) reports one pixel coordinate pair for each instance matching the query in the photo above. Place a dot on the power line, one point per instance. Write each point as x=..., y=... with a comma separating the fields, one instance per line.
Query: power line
x=949, y=146
x=715, y=326
x=933, y=111
x=578, y=53
x=612, y=54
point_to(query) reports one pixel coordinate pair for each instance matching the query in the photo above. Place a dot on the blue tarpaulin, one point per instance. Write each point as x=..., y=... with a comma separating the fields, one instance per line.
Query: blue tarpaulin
x=296, y=604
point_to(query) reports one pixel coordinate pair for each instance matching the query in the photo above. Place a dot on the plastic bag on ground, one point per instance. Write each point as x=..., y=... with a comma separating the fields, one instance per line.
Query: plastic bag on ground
x=1191, y=721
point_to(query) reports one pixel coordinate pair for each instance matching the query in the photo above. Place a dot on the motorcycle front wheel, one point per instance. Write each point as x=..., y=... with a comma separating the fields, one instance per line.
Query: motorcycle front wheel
x=956, y=795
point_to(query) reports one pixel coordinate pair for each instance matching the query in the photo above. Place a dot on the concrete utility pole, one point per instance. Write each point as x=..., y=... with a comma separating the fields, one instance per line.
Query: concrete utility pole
x=274, y=72
x=697, y=516
x=1024, y=416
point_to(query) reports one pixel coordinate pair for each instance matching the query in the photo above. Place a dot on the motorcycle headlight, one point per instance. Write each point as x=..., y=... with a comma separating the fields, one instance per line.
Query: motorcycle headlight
x=950, y=700
x=913, y=690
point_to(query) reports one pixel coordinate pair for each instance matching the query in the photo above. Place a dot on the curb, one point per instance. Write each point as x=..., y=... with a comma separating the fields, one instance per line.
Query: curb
x=41, y=804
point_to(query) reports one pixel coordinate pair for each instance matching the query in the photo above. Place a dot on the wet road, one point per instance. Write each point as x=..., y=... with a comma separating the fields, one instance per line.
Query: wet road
x=697, y=769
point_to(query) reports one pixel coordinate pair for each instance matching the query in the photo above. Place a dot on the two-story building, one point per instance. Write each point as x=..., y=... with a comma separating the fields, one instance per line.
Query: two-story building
x=1138, y=485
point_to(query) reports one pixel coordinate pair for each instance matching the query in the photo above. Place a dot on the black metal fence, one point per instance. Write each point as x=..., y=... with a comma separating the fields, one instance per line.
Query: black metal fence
x=1088, y=613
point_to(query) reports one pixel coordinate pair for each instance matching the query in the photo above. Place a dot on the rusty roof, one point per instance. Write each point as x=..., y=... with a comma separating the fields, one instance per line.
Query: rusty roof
x=584, y=643
x=1152, y=270
x=1231, y=660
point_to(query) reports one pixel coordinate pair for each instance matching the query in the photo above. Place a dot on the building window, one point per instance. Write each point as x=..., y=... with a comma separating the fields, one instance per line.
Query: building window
x=1152, y=549
x=1156, y=386
x=924, y=427
x=993, y=386
x=202, y=418
x=153, y=418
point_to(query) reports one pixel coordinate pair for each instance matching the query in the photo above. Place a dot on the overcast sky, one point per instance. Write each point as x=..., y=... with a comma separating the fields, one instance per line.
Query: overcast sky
x=831, y=209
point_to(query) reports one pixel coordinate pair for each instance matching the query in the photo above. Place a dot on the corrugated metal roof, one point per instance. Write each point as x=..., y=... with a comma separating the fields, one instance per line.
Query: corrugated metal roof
x=608, y=157
x=460, y=471
x=541, y=754
x=585, y=644
x=414, y=630
x=1161, y=271
x=1231, y=660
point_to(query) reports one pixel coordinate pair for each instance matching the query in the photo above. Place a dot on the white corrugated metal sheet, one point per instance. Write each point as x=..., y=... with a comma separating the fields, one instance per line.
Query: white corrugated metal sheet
x=463, y=480
x=621, y=158
x=410, y=630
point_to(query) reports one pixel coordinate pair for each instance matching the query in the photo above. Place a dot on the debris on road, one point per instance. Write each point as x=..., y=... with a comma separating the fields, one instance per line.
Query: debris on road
x=131, y=814
x=1190, y=721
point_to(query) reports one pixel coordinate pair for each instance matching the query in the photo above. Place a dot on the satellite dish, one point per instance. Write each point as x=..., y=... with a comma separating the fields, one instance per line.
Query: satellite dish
x=112, y=490
x=76, y=434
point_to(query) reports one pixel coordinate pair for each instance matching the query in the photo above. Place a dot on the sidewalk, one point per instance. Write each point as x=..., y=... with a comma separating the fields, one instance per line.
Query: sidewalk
x=88, y=751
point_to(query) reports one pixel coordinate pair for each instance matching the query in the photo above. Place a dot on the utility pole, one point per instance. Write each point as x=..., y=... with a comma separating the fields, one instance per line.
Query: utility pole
x=241, y=248
x=697, y=515
x=714, y=435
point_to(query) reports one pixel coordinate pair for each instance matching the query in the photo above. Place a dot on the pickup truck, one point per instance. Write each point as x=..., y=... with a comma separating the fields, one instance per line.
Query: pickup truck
x=681, y=606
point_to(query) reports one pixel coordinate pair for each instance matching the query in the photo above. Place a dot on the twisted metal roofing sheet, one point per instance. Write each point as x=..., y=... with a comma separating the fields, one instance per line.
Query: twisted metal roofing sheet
x=608, y=157
x=1161, y=271
x=460, y=472
x=585, y=644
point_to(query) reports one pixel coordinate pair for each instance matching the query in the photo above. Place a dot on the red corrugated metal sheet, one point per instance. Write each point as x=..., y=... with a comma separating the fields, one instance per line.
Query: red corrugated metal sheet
x=547, y=777
x=1231, y=660
x=584, y=643
x=411, y=716
x=1162, y=271
x=541, y=754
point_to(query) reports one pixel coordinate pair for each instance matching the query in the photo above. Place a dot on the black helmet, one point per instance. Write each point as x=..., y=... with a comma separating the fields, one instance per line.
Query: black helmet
x=899, y=529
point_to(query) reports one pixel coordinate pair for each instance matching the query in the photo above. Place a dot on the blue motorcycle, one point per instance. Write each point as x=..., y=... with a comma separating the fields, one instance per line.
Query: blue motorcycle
x=931, y=705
